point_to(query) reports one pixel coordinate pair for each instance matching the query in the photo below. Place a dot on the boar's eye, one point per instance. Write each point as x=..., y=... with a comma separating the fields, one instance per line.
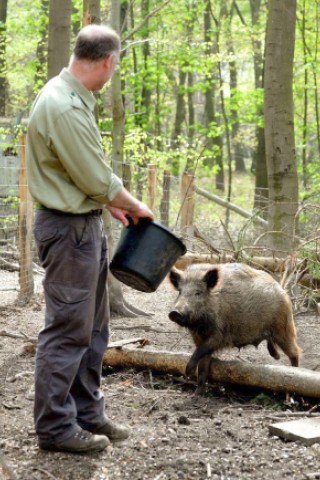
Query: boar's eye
x=198, y=293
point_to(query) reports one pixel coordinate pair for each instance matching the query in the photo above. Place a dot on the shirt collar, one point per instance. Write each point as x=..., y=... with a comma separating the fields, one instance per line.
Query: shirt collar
x=85, y=94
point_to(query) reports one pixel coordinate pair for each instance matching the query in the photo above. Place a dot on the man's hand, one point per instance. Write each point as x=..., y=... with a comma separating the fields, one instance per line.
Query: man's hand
x=119, y=214
x=124, y=204
x=141, y=211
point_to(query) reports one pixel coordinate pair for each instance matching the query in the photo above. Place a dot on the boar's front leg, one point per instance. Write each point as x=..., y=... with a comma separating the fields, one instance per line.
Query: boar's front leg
x=203, y=372
x=200, y=352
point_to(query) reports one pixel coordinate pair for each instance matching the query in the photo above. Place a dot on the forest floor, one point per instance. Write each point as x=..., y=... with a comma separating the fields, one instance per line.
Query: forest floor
x=174, y=434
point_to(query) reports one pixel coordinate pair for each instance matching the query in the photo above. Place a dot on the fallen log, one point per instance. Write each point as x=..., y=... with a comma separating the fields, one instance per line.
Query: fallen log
x=276, y=378
x=272, y=264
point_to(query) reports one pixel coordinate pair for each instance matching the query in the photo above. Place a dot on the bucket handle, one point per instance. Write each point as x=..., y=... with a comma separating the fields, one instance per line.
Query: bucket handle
x=142, y=221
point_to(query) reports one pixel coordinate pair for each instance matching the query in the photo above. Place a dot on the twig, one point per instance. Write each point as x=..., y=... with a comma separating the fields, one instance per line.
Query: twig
x=11, y=407
x=12, y=267
x=20, y=336
x=147, y=328
x=205, y=240
x=161, y=476
x=279, y=416
x=312, y=409
x=122, y=343
x=19, y=375
x=42, y=470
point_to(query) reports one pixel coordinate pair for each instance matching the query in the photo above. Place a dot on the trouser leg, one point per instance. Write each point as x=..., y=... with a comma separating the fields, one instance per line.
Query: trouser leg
x=72, y=250
x=86, y=386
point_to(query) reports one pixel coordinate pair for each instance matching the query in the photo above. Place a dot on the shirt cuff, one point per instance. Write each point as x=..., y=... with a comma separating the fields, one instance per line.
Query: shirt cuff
x=115, y=187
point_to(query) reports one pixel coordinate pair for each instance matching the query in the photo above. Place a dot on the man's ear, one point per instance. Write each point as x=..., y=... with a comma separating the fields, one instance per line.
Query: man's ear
x=108, y=61
x=211, y=278
x=175, y=277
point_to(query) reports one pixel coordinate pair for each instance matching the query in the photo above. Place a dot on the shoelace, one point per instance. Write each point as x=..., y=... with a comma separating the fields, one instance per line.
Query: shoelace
x=83, y=435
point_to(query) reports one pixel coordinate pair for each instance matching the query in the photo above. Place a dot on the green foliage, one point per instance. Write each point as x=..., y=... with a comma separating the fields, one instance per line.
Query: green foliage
x=170, y=42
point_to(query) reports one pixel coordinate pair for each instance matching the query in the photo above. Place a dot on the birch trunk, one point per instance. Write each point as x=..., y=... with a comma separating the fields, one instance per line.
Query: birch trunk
x=279, y=125
x=59, y=36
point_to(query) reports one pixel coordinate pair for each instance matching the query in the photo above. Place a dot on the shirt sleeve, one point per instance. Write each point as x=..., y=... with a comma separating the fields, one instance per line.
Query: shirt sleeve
x=77, y=143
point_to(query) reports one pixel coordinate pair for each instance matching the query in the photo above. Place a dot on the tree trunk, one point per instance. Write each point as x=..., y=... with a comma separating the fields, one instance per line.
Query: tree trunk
x=118, y=114
x=180, y=115
x=192, y=15
x=279, y=125
x=3, y=69
x=259, y=162
x=91, y=12
x=118, y=303
x=237, y=150
x=214, y=141
x=42, y=46
x=146, y=92
x=59, y=36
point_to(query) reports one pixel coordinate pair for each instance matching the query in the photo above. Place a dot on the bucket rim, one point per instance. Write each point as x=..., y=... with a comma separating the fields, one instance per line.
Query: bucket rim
x=147, y=222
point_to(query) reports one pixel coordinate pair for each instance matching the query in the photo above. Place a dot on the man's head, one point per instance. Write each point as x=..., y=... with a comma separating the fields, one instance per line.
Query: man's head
x=96, y=54
x=96, y=42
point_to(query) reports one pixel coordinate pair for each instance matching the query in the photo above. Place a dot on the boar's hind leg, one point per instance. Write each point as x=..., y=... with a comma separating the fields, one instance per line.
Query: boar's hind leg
x=285, y=335
x=203, y=371
x=290, y=348
x=273, y=350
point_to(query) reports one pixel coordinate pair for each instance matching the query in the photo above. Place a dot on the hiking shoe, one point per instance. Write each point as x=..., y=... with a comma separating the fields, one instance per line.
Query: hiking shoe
x=81, y=442
x=114, y=431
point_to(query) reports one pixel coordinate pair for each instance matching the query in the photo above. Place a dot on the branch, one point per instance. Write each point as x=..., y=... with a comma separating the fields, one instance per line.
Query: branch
x=231, y=206
x=135, y=43
x=239, y=13
x=205, y=240
x=144, y=21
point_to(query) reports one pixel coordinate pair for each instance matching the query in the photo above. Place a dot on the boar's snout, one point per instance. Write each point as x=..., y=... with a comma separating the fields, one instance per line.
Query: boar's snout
x=177, y=317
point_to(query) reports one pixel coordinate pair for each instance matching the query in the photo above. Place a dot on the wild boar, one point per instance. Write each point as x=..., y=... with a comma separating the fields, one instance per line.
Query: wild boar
x=232, y=305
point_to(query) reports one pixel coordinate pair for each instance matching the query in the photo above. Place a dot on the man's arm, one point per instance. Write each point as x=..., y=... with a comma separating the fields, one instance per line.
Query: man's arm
x=125, y=204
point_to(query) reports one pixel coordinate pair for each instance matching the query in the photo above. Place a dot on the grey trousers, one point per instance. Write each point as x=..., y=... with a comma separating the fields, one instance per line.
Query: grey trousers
x=73, y=251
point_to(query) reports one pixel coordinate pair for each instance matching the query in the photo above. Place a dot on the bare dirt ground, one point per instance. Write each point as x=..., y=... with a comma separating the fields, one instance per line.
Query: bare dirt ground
x=175, y=435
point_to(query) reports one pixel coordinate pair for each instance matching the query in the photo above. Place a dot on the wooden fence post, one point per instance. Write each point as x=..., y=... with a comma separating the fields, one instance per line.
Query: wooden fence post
x=165, y=200
x=187, y=198
x=127, y=175
x=152, y=186
x=25, y=230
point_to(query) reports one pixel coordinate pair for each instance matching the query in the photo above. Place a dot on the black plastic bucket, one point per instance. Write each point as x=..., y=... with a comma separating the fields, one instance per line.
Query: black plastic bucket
x=145, y=254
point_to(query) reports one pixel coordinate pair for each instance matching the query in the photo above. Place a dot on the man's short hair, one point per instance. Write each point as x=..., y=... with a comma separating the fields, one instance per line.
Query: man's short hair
x=95, y=42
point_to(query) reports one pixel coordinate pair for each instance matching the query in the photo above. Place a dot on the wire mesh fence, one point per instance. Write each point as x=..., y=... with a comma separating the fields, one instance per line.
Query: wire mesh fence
x=186, y=205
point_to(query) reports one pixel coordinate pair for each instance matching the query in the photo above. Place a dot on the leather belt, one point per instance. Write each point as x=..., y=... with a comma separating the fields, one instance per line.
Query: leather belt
x=93, y=213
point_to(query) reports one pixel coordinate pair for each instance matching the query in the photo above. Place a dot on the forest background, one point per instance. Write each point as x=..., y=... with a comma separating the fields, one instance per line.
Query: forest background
x=226, y=90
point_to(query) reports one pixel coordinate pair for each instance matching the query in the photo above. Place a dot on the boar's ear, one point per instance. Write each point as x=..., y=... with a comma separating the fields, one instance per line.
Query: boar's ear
x=211, y=277
x=175, y=277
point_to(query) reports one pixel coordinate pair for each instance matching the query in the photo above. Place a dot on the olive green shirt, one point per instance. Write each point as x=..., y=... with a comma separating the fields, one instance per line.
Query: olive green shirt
x=66, y=166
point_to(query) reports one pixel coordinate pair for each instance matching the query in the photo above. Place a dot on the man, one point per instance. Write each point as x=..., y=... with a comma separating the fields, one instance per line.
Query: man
x=71, y=182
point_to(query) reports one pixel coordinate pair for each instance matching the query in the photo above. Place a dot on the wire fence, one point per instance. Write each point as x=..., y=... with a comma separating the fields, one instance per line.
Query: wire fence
x=185, y=204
